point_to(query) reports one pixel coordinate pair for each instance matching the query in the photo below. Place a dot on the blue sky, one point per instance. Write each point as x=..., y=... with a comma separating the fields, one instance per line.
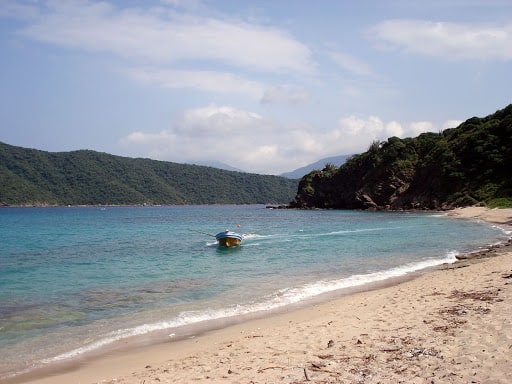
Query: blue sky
x=265, y=86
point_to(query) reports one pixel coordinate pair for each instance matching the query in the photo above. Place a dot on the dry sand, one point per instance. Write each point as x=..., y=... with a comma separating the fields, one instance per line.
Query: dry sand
x=452, y=325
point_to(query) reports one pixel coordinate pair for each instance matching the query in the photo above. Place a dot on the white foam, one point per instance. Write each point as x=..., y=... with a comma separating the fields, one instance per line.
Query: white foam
x=505, y=231
x=256, y=236
x=294, y=295
x=279, y=299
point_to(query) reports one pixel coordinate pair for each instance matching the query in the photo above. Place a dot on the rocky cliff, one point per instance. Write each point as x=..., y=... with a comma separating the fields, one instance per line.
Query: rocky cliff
x=461, y=166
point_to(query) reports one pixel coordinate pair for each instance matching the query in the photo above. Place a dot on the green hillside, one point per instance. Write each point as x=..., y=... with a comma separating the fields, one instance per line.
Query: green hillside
x=34, y=177
x=467, y=165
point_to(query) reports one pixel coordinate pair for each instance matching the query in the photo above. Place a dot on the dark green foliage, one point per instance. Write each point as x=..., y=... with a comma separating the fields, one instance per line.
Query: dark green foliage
x=502, y=202
x=461, y=166
x=33, y=177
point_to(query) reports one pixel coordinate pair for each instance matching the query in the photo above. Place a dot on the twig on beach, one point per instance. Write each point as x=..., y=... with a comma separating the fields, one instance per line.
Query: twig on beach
x=306, y=375
x=323, y=357
x=390, y=350
x=318, y=366
x=264, y=369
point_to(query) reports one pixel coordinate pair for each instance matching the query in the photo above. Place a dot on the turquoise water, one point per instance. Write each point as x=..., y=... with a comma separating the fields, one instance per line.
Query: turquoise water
x=89, y=276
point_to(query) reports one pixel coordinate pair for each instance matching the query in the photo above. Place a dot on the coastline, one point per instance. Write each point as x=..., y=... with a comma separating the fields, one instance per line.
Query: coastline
x=448, y=325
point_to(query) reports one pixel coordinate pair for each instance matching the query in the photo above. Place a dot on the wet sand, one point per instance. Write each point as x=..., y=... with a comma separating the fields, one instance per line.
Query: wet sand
x=451, y=325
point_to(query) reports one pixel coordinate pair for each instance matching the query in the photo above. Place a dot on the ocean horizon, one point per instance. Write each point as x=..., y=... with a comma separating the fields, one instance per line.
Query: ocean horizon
x=90, y=277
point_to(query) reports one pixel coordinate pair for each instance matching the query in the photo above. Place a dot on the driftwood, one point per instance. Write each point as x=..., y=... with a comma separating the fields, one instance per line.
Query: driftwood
x=323, y=357
x=390, y=350
x=264, y=369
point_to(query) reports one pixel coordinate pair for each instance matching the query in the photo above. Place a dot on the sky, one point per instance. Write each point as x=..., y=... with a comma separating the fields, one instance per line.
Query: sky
x=266, y=86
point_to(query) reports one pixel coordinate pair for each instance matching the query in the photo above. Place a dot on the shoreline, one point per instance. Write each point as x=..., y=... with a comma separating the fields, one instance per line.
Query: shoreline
x=295, y=345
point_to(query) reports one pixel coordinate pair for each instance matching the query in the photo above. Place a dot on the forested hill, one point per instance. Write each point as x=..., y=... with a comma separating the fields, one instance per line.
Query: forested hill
x=34, y=177
x=461, y=166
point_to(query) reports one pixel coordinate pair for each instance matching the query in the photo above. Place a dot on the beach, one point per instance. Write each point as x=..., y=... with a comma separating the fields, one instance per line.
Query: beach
x=448, y=325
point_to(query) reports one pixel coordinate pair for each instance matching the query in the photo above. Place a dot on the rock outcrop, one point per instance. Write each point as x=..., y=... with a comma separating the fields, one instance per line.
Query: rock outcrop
x=457, y=167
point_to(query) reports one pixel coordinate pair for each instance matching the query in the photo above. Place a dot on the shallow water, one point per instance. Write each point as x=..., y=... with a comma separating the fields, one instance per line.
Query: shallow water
x=87, y=276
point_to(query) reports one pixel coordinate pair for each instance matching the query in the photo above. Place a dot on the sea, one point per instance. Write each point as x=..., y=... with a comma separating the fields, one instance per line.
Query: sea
x=76, y=281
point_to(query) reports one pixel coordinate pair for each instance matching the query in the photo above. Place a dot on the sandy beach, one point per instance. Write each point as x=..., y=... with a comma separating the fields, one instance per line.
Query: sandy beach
x=450, y=325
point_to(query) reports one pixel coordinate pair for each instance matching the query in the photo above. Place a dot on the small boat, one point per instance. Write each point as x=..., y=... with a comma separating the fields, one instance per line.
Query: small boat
x=228, y=238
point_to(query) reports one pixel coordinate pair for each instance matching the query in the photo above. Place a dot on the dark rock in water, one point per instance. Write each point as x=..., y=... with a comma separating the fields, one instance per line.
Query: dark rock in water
x=277, y=206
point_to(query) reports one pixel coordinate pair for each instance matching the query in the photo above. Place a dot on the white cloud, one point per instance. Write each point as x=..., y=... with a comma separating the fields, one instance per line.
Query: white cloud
x=250, y=141
x=451, y=124
x=163, y=36
x=351, y=64
x=210, y=81
x=243, y=139
x=394, y=128
x=354, y=134
x=418, y=127
x=221, y=133
x=217, y=121
x=284, y=94
x=218, y=82
x=355, y=126
x=455, y=41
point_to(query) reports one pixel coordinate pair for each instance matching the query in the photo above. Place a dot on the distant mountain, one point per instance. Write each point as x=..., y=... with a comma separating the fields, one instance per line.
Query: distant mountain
x=320, y=164
x=34, y=177
x=219, y=165
x=462, y=166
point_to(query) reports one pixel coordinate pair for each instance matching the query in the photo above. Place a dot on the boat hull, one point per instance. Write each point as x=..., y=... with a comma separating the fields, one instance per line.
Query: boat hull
x=228, y=239
x=229, y=242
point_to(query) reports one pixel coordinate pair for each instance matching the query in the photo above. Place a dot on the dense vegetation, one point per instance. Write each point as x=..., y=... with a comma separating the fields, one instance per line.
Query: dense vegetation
x=467, y=165
x=33, y=177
